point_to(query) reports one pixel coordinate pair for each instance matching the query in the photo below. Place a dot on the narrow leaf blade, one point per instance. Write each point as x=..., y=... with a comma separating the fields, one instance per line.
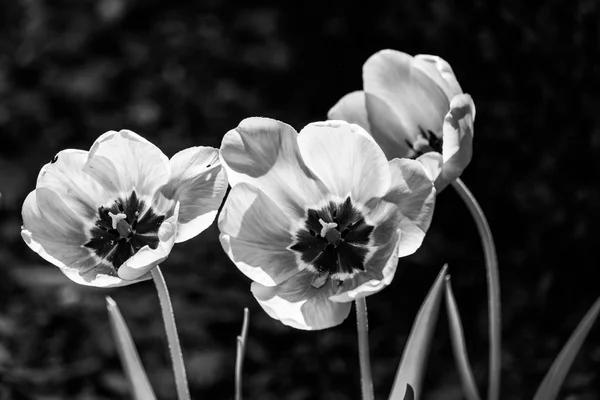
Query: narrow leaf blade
x=555, y=377
x=414, y=359
x=140, y=385
x=459, y=347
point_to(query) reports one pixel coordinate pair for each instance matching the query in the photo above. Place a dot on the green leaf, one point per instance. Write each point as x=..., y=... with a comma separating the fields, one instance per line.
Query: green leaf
x=412, y=366
x=129, y=356
x=458, y=345
x=555, y=377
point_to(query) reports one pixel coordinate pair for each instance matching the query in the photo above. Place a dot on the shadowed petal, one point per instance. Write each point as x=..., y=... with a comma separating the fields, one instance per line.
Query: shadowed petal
x=53, y=231
x=297, y=304
x=198, y=182
x=440, y=72
x=458, y=139
x=147, y=258
x=264, y=152
x=416, y=99
x=413, y=192
x=346, y=159
x=79, y=191
x=351, y=108
x=387, y=129
x=121, y=161
x=255, y=234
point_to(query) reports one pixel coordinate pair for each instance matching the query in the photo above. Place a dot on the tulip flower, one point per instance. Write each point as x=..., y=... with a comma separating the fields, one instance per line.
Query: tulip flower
x=414, y=106
x=318, y=219
x=108, y=216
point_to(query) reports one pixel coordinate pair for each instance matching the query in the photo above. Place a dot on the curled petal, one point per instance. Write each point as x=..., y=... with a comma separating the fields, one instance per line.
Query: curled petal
x=299, y=305
x=351, y=108
x=413, y=192
x=346, y=159
x=140, y=264
x=255, y=233
x=432, y=162
x=56, y=233
x=387, y=129
x=417, y=100
x=78, y=190
x=123, y=160
x=439, y=71
x=458, y=139
x=198, y=183
x=264, y=153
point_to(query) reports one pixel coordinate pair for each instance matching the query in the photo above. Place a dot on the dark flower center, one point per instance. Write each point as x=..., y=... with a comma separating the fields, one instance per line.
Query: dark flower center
x=426, y=142
x=334, y=242
x=122, y=229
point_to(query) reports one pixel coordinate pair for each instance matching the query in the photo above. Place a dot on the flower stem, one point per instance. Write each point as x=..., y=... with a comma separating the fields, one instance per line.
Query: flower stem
x=362, y=328
x=493, y=282
x=183, y=393
x=241, y=351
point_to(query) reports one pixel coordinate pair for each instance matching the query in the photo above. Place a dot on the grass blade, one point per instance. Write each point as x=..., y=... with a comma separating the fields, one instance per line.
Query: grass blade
x=414, y=359
x=140, y=385
x=458, y=346
x=555, y=377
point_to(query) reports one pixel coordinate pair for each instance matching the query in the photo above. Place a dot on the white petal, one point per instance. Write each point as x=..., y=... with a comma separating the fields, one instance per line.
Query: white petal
x=457, y=148
x=416, y=99
x=432, y=162
x=387, y=129
x=439, y=71
x=198, y=182
x=79, y=191
x=380, y=266
x=412, y=190
x=147, y=258
x=100, y=279
x=256, y=234
x=123, y=161
x=53, y=231
x=351, y=108
x=346, y=159
x=297, y=304
x=264, y=153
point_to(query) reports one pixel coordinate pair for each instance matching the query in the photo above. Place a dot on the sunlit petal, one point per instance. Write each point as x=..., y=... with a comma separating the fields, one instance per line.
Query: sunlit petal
x=121, y=161
x=346, y=159
x=439, y=71
x=255, y=233
x=264, y=153
x=297, y=304
x=417, y=100
x=351, y=108
x=66, y=177
x=458, y=139
x=413, y=192
x=198, y=182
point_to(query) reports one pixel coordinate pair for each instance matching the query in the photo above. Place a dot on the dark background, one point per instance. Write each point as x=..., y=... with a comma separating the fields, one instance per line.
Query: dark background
x=182, y=73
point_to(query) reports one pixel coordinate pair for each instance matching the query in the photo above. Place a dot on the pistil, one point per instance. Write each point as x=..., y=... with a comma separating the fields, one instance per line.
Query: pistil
x=330, y=232
x=119, y=222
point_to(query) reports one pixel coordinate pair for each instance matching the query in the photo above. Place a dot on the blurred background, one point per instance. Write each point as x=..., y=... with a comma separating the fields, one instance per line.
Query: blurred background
x=182, y=73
